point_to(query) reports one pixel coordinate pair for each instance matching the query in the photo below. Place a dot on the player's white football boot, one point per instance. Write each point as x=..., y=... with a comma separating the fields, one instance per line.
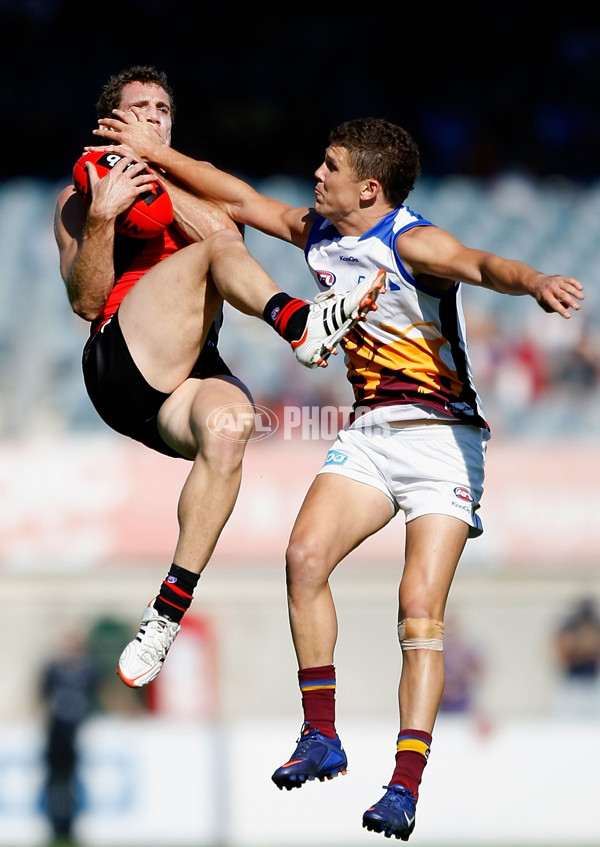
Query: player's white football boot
x=332, y=316
x=143, y=657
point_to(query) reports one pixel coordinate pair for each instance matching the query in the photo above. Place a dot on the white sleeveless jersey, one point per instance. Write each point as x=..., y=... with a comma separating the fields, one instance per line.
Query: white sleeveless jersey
x=409, y=359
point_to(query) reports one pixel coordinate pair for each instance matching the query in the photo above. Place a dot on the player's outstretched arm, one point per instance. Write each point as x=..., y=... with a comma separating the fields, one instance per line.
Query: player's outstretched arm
x=239, y=199
x=194, y=217
x=434, y=252
x=554, y=293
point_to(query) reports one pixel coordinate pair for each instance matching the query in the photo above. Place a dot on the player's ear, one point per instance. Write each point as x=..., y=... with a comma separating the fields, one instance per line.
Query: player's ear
x=371, y=188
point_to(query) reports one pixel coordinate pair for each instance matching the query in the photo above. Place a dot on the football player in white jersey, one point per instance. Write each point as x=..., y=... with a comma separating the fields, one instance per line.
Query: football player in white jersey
x=416, y=439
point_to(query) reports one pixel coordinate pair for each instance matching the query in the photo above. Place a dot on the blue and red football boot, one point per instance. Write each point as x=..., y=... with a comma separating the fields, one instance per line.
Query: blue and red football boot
x=315, y=757
x=394, y=814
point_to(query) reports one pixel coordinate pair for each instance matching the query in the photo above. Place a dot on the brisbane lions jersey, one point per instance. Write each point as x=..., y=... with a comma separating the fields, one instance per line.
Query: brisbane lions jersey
x=409, y=359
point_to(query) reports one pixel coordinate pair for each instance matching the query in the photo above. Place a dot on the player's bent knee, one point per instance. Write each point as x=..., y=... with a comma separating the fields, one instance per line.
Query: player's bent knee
x=221, y=428
x=225, y=455
x=223, y=239
x=235, y=431
x=421, y=634
x=303, y=564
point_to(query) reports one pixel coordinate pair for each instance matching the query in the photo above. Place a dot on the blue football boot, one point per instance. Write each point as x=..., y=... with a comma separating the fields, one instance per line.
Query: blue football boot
x=394, y=814
x=316, y=756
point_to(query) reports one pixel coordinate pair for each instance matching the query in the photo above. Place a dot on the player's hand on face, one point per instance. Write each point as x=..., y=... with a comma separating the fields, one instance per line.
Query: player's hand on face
x=120, y=149
x=131, y=128
x=559, y=294
x=114, y=194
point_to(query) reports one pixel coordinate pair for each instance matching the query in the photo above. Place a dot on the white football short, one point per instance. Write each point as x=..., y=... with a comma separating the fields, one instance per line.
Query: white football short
x=424, y=468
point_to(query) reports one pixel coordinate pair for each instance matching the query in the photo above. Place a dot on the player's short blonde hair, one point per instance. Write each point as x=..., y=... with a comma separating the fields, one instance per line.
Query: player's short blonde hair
x=380, y=150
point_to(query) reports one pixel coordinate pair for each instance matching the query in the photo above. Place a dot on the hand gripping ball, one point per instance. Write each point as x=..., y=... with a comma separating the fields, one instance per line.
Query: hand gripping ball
x=151, y=213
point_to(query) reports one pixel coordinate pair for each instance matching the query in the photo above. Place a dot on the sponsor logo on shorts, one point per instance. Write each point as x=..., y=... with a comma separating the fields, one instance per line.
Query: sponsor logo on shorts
x=463, y=494
x=334, y=457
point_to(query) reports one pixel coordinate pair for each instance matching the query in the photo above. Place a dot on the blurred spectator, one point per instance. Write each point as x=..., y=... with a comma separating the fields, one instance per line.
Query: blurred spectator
x=105, y=642
x=579, y=366
x=577, y=651
x=464, y=670
x=520, y=379
x=68, y=685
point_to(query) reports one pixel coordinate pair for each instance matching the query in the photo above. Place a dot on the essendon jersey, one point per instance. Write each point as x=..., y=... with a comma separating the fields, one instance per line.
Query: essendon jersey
x=133, y=257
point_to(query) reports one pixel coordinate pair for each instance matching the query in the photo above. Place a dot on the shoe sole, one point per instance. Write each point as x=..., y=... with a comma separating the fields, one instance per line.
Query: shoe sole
x=388, y=831
x=366, y=305
x=298, y=780
x=135, y=682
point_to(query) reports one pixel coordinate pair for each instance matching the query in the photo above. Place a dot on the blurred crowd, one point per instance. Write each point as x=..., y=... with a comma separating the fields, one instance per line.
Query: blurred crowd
x=551, y=378
x=576, y=652
x=537, y=374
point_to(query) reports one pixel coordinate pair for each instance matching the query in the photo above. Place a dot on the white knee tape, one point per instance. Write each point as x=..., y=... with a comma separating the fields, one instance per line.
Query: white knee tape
x=421, y=634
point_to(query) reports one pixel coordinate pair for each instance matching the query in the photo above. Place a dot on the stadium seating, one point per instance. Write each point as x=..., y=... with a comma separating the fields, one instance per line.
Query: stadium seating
x=552, y=224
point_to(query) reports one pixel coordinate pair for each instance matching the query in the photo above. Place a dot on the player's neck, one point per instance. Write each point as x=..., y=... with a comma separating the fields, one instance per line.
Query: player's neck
x=359, y=221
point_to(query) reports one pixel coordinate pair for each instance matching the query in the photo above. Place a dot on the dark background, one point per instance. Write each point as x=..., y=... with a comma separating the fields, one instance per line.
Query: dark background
x=483, y=87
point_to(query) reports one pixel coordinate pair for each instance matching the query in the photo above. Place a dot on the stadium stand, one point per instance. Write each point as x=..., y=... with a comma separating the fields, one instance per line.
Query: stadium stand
x=536, y=373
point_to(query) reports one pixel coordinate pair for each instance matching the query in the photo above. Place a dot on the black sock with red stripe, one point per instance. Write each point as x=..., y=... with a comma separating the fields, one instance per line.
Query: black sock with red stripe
x=287, y=315
x=176, y=593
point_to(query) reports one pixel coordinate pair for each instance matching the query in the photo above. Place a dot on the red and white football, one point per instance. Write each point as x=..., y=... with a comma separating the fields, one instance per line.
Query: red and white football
x=151, y=213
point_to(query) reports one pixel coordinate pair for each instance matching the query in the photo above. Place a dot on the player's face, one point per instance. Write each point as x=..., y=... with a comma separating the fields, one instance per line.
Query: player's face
x=154, y=103
x=337, y=192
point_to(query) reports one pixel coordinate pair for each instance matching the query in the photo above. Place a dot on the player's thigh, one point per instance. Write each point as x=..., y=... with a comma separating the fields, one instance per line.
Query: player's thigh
x=437, y=469
x=171, y=283
x=337, y=515
x=213, y=417
x=434, y=544
x=166, y=316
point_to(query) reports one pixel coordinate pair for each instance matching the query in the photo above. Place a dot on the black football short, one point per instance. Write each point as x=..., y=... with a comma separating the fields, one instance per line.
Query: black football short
x=121, y=395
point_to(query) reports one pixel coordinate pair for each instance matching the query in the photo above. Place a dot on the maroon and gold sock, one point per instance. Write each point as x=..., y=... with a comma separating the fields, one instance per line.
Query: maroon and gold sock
x=287, y=315
x=412, y=752
x=318, y=698
x=176, y=593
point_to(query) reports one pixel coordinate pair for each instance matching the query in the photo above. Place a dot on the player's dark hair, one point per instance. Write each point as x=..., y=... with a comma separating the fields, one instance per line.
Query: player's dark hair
x=111, y=93
x=383, y=151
